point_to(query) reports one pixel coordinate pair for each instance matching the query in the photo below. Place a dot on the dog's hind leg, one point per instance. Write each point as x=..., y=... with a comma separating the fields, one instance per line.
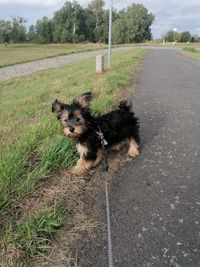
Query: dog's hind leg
x=133, y=148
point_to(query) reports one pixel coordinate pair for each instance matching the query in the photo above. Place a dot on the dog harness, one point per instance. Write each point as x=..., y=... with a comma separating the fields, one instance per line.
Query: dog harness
x=104, y=143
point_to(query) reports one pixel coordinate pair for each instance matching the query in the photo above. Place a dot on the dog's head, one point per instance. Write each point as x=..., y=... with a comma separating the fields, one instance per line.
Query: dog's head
x=73, y=116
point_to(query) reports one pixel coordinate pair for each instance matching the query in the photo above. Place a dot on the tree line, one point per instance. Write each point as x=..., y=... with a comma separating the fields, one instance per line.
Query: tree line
x=73, y=23
x=182, y=37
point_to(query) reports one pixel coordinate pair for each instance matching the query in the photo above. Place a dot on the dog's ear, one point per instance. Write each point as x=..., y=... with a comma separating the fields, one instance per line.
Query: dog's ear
x=57, y=106
x=83, y=101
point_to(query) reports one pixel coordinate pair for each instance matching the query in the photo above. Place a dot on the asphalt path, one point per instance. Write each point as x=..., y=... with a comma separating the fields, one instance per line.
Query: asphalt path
x=155, y=200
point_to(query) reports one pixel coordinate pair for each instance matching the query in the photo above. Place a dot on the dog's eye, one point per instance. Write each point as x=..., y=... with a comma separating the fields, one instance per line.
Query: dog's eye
x=77, y=120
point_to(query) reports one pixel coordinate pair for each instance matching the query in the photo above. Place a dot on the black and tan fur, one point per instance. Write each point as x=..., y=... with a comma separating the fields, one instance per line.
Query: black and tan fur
x=78, y=123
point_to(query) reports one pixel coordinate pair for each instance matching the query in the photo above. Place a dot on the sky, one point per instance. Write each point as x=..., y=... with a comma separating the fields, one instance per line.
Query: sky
x=169, y=14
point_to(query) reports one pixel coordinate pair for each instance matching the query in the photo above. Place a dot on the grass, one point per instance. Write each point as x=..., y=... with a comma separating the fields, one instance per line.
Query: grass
x=192, y=52
x=33, y=146
x=20, y=53
x=34, y=236
x=190, y=49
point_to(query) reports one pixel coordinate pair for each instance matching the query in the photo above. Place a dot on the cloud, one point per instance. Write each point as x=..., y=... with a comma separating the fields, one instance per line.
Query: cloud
x=36, y=3
x=181, y=14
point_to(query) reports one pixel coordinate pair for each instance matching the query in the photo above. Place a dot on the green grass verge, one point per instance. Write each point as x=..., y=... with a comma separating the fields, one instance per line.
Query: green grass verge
x=192, y=52
x=33, y=237
x=190, y=49
x=33, y=146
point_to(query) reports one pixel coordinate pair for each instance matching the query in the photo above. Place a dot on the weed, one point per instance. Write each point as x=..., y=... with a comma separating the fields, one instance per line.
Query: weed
x=58, y=153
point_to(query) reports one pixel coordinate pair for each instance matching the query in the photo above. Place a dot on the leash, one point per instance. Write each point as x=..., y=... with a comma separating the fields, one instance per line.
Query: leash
x=110, y=255
x=104, y=168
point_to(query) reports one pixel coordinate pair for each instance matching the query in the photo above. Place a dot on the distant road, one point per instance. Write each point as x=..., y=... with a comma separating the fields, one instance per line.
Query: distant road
x=23, y=69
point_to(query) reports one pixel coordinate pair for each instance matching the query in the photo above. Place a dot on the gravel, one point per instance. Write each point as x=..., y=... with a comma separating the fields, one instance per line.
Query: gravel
x=23, y=69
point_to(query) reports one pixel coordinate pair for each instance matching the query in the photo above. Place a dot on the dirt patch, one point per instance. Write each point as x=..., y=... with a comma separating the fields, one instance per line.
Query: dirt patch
x=50, y=192
x=87, y=225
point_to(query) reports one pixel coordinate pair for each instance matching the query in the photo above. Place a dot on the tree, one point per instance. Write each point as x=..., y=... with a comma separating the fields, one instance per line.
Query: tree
x=169, y=36
x=115, y=16
x=18, y=33
x=5, y=31
x=90, y=23
x=44, y=31
x=31, y=35
x=119, y=28
x=138, y=22
x=13, y=30
x=69, y=22
x=185, y=37
x=96, y=8
x=133, y=25
x=195, y=38
x=179, y=36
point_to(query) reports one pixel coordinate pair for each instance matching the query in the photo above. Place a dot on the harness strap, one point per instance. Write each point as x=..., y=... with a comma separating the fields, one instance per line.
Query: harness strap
x=104, y=164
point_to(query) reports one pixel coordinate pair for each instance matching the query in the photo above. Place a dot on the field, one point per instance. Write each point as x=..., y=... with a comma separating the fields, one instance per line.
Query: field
x=19, y=53
x=37, y=191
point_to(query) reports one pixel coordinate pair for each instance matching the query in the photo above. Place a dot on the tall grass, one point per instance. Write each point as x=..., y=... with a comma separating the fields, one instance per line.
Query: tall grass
x=34, y=236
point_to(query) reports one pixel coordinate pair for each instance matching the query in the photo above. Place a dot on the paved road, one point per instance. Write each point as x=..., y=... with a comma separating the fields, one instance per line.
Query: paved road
x=155, y=203
x=155, y=199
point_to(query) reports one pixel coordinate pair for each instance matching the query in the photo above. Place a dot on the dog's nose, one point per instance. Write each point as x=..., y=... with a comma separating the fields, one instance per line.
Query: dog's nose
x=71, y=129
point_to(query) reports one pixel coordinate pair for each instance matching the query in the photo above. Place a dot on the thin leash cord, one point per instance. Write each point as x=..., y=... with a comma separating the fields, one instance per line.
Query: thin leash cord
x=110, y=255
x=105, y=170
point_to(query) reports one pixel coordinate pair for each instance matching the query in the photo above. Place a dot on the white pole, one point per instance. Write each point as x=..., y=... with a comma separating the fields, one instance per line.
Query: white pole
x=110, y=34
x=174, y=38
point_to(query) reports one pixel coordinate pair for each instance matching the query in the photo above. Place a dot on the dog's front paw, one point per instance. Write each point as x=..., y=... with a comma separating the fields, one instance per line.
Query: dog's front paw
x=82, y=166
x=133, y=153
x=76, y=170
x=133, y=149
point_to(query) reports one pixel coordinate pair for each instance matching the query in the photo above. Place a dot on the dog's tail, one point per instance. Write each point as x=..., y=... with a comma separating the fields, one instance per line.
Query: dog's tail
x=124, y=105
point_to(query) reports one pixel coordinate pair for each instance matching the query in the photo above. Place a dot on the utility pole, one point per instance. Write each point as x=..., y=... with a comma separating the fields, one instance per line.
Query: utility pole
x=174, y=38
x=110, y=34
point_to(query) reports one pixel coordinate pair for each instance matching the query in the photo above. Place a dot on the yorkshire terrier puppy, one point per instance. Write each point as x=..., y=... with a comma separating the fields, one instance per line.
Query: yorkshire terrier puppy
x=78, y=123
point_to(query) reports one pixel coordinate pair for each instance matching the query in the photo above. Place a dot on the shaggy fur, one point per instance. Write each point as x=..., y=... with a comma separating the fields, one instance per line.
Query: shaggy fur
x=78, y=123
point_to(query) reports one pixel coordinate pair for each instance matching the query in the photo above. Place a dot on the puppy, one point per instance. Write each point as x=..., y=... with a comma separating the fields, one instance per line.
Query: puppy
x=89, y=131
